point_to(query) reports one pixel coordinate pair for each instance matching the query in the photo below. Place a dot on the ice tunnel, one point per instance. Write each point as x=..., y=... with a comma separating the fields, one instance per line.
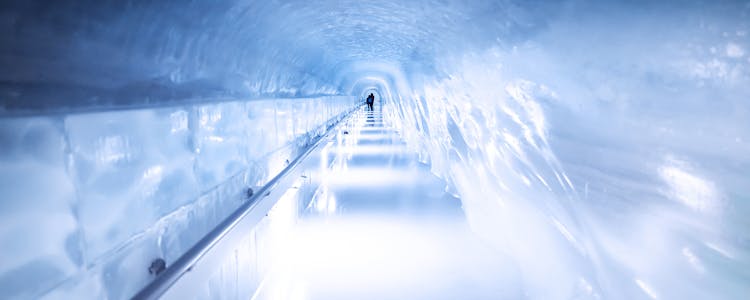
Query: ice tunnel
x=515, y=149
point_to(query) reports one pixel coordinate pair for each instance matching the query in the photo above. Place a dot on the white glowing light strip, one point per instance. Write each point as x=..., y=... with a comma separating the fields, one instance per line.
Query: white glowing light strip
x=372, y=149
x=372, y=176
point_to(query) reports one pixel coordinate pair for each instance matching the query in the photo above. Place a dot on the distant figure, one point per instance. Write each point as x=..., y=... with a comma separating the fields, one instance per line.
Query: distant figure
x=370, y=101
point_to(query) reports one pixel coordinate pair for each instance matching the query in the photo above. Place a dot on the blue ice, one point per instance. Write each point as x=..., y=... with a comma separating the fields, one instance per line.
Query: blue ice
x=565, y=149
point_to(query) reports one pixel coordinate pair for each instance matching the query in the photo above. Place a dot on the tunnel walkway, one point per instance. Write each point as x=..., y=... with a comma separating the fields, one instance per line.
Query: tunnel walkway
x=381, y=226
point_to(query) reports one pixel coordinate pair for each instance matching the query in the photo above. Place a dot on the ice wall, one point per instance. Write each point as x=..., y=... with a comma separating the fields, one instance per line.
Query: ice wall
x=90, y=199
x=603, y=144
x=607, y=153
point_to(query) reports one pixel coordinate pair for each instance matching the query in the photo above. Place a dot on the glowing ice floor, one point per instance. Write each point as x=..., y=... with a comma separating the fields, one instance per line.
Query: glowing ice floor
x=382, y=227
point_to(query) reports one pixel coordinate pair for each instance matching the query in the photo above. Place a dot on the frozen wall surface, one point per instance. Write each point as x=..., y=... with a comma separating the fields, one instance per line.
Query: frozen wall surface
x=603, y=145
x=91, y=199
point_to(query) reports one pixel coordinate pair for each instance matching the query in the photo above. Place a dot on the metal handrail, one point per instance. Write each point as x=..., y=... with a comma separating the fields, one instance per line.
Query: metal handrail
x=166, y=279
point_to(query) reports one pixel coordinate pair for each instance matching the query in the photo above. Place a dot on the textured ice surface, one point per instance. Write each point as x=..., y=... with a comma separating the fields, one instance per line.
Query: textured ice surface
x=90, y=199
x=603, y=145
x=608, y=158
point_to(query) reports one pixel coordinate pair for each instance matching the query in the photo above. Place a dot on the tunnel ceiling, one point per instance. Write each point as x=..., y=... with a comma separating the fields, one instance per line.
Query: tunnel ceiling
x=78, y=55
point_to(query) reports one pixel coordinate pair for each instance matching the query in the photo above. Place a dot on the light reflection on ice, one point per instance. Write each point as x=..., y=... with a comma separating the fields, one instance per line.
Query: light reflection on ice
x=646, y=288
x=693, y=259
x=112, y=149
x=734, y=50
x=693, y=191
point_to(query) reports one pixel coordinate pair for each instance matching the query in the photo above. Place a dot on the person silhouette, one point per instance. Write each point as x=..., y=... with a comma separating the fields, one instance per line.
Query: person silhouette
x=370, y=101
